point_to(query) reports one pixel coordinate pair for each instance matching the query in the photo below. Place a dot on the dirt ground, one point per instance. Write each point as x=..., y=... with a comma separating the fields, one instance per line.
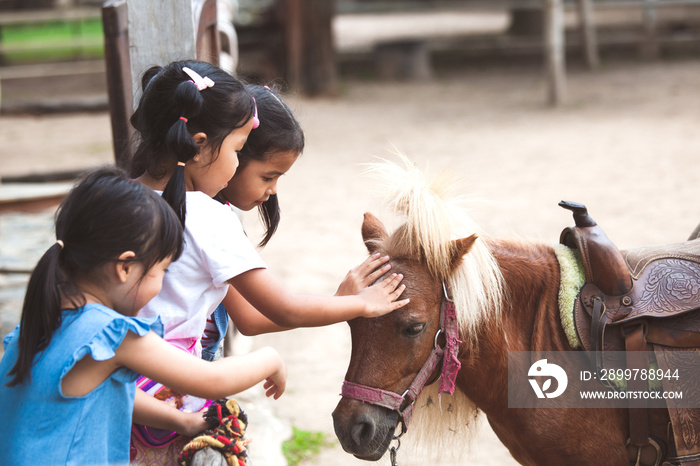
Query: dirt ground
x=626, y=144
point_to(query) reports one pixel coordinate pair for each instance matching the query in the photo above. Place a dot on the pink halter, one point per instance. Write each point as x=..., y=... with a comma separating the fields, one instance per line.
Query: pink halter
x=403, y=404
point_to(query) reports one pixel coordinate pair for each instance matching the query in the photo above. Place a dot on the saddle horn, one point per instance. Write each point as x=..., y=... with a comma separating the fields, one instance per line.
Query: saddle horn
x=604, y=265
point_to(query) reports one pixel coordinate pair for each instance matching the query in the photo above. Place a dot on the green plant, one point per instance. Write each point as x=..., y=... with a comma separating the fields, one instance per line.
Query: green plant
x=303, y=445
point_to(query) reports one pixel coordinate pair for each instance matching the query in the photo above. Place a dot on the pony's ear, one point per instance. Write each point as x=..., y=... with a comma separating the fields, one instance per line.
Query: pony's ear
x=373, y=232
x=462, y=247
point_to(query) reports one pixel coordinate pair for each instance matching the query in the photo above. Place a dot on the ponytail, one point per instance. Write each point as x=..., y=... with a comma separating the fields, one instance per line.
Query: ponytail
x=41, y=311
x=175, y=193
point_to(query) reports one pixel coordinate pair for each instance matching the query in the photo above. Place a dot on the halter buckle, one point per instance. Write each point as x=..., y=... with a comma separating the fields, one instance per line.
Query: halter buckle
x=445, y=294
x=437, y=334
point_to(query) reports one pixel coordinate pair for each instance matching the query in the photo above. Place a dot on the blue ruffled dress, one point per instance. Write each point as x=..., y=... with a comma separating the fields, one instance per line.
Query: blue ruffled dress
x=39, y=425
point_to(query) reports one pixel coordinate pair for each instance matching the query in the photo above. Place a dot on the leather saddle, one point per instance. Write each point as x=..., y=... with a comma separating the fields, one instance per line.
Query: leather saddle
x=640, y=300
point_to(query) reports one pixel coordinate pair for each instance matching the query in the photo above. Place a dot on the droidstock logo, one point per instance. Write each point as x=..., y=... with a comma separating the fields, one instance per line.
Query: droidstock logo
x=551, y=371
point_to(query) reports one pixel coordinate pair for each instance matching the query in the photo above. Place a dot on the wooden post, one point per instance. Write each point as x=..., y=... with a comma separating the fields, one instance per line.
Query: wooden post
x=650, y=43
x=403, y=60
x=159, y=32
x=119, y=88
x=208, y=43
x=295, y=42
x=588, y=33
x=554, y=47
x=310, y=54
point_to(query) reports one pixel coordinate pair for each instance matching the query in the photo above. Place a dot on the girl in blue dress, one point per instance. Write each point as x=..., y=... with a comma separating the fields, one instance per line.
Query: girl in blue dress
x=67, y=378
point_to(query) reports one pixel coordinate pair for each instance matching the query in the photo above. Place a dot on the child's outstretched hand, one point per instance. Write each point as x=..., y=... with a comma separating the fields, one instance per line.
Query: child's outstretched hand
x=381, y=298
x=364, y=275
x=275, y=384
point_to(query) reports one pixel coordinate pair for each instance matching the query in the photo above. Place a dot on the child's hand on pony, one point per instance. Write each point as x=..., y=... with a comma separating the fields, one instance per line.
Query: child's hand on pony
x=363, y=275
x=382, y=298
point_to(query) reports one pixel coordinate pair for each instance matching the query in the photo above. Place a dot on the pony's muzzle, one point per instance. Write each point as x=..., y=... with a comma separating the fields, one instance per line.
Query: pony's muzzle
x=364, y=430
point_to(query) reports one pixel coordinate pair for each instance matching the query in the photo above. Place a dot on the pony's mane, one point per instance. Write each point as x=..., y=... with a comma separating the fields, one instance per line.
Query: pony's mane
x=432, y=219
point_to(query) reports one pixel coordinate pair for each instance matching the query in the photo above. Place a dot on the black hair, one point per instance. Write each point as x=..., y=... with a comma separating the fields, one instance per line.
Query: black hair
x=104, y=215
x=171, y=110
x=279, y=131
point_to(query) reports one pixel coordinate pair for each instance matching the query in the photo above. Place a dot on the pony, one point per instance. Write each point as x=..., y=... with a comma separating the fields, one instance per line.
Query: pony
x=506, y=298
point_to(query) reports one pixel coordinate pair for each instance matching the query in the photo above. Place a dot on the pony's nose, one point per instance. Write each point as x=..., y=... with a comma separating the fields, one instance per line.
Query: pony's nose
x=362, y=432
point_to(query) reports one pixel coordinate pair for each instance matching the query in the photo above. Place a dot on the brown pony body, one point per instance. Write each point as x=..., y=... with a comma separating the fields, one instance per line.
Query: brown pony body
x=388, y=352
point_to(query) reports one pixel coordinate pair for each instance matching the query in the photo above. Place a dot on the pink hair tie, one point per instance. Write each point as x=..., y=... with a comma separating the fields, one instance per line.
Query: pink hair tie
x=199, y=81
x=180, y=164
x=256, y=120
x=184, y=119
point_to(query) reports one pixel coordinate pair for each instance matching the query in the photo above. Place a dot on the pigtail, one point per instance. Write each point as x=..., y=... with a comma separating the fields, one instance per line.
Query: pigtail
x=188, y=102
x=41, y=312
x=175, y=193
x=179, y=142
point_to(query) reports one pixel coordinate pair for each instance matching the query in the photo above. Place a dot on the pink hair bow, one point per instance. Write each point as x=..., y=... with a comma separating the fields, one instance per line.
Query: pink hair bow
x=201, y=82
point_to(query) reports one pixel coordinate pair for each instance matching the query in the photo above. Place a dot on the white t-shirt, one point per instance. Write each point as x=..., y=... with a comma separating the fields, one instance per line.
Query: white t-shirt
x=216, y=250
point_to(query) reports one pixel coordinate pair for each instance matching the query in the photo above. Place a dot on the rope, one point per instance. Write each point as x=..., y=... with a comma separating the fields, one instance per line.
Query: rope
x=227, y=434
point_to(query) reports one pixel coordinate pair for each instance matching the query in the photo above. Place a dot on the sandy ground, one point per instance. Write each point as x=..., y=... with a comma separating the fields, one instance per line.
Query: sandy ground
x=626, y=144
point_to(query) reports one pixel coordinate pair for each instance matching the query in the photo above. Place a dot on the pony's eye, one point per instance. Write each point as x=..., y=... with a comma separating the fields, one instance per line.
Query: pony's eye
x=414, y=329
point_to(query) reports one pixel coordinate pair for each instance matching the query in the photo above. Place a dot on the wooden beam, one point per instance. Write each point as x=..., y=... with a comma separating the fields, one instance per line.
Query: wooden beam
x=17, y=18
x=31, y=197
x=43, y=177
x=407, y=6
